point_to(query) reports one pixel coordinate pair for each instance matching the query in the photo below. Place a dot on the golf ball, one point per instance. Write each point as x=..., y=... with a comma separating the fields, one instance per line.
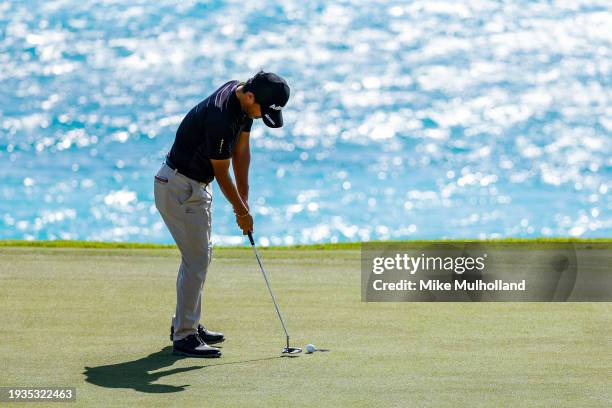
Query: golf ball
x=310, y=348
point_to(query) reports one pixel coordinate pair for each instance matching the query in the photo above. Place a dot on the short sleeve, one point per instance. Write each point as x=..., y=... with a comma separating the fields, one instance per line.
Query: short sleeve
x=247, y=125
x=220, y=141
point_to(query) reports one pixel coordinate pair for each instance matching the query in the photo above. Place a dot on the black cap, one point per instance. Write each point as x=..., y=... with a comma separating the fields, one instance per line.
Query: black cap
x=271, y=93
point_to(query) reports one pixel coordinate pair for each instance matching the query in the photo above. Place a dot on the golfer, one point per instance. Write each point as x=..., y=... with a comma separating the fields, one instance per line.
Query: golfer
x=213, y=135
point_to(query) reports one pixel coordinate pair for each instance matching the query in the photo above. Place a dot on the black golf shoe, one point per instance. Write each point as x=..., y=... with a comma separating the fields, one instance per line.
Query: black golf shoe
x=193, y=346
x=207, y=336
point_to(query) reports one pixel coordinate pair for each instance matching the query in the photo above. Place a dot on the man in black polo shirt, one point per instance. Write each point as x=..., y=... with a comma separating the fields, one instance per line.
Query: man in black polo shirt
x=213, y=135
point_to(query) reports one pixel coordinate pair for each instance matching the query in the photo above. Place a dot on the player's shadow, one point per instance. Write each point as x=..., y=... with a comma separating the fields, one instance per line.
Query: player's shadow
x=138, y=375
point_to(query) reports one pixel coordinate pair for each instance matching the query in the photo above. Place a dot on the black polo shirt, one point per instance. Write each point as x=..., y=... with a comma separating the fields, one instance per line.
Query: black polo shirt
x=209, y=131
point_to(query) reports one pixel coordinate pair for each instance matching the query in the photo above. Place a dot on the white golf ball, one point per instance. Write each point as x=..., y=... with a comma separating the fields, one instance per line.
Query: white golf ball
x=310, y=348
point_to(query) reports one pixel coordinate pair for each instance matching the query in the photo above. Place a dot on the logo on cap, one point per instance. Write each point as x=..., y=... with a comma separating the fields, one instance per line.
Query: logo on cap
x=270, y=119
x=273, y=106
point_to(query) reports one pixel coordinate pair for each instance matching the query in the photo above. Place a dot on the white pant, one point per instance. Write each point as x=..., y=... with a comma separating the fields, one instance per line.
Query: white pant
x=185, y=207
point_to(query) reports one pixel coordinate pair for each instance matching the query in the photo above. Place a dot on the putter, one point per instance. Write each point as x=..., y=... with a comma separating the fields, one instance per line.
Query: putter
x=288, y=349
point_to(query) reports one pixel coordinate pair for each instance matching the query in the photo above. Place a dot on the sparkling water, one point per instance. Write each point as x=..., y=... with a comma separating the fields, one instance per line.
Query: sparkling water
x=423, y=119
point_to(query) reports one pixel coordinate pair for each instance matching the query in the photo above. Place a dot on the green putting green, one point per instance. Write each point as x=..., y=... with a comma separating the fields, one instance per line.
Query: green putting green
x=98, y=320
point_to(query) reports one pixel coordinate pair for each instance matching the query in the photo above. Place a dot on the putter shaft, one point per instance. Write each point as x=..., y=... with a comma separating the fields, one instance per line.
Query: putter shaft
x=265, y=275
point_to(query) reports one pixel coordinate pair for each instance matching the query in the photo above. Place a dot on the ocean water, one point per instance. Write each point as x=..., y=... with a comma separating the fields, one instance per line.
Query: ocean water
x=424, y=119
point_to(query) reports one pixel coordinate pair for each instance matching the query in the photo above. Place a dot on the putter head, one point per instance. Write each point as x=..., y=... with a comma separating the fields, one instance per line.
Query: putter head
x=292, y=350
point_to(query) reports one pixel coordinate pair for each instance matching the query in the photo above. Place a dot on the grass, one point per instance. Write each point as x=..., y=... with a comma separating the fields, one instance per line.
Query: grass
x=97, y=320
x=323, y=246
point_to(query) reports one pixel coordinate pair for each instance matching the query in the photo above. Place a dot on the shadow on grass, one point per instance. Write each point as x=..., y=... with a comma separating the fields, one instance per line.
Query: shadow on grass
x=137, y=374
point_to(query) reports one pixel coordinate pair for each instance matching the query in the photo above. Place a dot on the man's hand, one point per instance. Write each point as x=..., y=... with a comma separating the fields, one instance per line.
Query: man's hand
x=243, y=217
x=245, y=222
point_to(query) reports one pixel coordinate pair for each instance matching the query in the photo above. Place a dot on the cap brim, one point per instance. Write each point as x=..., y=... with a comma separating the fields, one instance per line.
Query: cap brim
x=272, y=118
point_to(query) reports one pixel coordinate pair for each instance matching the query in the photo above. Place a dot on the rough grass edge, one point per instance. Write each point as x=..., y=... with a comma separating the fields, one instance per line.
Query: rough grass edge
x=324, y=246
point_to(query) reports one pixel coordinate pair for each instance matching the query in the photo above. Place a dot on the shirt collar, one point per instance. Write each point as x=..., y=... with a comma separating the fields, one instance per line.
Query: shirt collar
x=234, y=103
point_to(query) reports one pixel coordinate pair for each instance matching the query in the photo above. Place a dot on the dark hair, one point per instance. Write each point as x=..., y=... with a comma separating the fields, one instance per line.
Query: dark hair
x=248, y=85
